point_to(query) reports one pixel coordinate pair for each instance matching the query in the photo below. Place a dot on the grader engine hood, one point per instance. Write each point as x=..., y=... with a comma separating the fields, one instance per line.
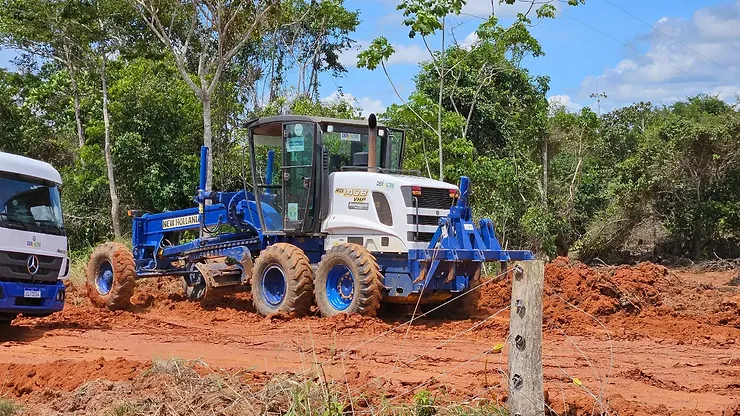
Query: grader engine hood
x=385, y=213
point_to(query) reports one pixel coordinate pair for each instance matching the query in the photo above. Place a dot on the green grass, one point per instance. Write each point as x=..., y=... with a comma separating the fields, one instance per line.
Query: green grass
x=8, y=407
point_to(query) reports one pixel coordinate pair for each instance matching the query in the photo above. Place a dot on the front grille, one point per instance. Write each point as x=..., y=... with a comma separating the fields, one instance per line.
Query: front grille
x=421, y=237
x=13, y=267
x=435, y=198
x=423, y=220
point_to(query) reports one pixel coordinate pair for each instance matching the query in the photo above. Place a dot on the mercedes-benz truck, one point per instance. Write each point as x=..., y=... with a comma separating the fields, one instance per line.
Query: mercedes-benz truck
x=33, y=242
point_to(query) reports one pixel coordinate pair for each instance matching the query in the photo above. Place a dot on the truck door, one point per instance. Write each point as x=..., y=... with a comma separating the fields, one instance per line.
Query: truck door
x=299, y=140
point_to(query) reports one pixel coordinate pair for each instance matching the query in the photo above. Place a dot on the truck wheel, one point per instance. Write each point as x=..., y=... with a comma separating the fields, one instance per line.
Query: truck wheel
x=111, y=276
x=462, y=308
x=348, y=280
x=282, y=281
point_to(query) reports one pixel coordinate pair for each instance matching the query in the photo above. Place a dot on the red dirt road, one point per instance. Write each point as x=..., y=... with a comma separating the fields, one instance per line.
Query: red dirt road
x=674, y=348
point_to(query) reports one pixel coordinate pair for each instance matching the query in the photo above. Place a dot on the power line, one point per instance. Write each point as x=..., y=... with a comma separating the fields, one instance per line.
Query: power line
x=669, y=36
x=625, y=44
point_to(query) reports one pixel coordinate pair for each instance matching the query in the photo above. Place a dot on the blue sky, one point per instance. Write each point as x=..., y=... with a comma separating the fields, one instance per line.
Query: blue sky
x=664, y=51
x=676, y=48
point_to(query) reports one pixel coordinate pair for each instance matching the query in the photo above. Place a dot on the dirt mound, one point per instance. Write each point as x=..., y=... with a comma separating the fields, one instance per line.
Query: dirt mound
x=63, y=375
x=633, y=302
x=598, y=292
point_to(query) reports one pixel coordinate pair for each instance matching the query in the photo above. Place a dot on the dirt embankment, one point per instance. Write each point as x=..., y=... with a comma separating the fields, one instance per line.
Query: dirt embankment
x=640, y=340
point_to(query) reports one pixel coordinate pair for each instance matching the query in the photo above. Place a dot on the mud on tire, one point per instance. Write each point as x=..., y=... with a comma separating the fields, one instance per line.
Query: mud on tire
x=282, y=281
x=348, y=280
x=111, y=276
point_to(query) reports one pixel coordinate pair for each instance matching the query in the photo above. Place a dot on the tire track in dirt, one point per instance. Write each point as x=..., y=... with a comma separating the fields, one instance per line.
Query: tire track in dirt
x=667, y=358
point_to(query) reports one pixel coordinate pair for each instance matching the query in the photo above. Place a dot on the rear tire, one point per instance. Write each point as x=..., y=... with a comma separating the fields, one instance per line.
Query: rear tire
x=282, y=281
x=348, y=280
x=111, y=276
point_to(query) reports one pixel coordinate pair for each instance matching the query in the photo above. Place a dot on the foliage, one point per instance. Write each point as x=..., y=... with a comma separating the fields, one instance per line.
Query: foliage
x=8, y=408
x=424, y=403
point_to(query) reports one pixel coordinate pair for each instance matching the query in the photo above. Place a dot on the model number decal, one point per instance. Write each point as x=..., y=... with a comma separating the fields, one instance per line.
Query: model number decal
x=353, y=192
x=180, y=221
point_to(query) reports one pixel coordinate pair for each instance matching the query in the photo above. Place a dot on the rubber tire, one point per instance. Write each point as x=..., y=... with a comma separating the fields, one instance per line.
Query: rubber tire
x=367, y=280
x=299, y=276
x=124, y=276
x=464, y=307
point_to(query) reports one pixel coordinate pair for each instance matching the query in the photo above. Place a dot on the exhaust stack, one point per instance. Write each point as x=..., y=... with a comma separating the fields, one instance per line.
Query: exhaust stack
x=372, y=145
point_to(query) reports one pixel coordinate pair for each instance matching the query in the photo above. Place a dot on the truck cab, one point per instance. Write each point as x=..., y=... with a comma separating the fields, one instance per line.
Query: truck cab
x=33, y=242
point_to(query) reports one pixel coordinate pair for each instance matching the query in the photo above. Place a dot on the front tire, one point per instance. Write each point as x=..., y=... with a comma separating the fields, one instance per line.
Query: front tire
x=282, y=281
x=348, y=280
x=111, y=276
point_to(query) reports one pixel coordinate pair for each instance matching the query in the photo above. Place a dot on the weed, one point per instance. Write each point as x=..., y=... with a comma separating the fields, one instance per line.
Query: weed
x=8, y=407
x=424, y=404
x=124, y=409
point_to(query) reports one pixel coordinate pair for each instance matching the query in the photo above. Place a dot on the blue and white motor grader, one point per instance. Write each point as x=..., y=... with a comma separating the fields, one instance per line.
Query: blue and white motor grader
x=330, y=219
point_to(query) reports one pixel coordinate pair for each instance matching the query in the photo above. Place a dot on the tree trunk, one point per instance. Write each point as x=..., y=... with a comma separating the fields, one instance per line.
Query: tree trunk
x=75, y=92
x=545, y=163
x=207, y=136
x=114, y=206
x=76, y=95
x=439, y=103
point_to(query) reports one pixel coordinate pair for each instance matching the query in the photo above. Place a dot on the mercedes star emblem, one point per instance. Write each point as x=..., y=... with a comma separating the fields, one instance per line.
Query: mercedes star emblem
x=32, y=264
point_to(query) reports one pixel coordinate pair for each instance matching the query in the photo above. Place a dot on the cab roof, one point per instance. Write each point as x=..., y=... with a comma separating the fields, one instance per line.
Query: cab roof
x=22, y=165
x=310, y=119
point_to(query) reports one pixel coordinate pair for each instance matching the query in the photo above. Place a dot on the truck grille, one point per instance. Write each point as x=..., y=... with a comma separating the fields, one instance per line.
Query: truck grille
x=13, y=267
x=435, y=198
x=420, y=236
x=423, y=220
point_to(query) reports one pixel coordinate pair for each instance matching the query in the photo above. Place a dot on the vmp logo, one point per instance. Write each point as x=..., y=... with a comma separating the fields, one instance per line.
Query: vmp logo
x=32, y=264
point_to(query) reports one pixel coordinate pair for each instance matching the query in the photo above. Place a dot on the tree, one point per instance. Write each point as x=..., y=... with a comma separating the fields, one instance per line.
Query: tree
x=427, y=18
x=203, y=37
x=51, y=30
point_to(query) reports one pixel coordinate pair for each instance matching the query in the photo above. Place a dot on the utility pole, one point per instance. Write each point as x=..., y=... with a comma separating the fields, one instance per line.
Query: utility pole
x=598, y=97
x=526, y=386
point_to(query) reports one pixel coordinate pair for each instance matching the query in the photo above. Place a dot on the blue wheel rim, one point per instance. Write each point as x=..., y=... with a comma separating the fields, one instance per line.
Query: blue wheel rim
x=104, y=278
x=274, y=284
x=340, y=287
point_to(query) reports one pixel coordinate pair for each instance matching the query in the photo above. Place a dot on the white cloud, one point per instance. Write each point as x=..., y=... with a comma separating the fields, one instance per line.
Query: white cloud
x=684, y=57
x=470, y=40
x=404, y=54
x=557, y=101
x=364, y=105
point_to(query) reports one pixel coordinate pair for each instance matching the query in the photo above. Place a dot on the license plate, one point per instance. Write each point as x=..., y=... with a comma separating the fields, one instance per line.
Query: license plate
x=31, y=293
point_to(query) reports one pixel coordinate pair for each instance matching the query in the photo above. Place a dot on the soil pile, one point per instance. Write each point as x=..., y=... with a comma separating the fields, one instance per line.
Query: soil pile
x=572, y=288
x=64, y=375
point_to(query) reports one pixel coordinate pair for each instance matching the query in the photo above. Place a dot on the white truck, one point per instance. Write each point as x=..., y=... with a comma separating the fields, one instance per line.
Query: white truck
x=33, y=242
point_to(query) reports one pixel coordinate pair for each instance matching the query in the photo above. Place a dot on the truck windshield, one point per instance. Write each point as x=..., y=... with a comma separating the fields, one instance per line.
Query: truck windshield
x=30, y=204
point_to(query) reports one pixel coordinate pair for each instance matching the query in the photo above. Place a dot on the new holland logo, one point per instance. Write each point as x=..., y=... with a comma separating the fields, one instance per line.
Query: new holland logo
x=180, y=221
x=32, y=264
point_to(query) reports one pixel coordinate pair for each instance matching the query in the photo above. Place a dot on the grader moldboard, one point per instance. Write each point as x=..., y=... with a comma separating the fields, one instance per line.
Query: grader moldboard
x=331, y=219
